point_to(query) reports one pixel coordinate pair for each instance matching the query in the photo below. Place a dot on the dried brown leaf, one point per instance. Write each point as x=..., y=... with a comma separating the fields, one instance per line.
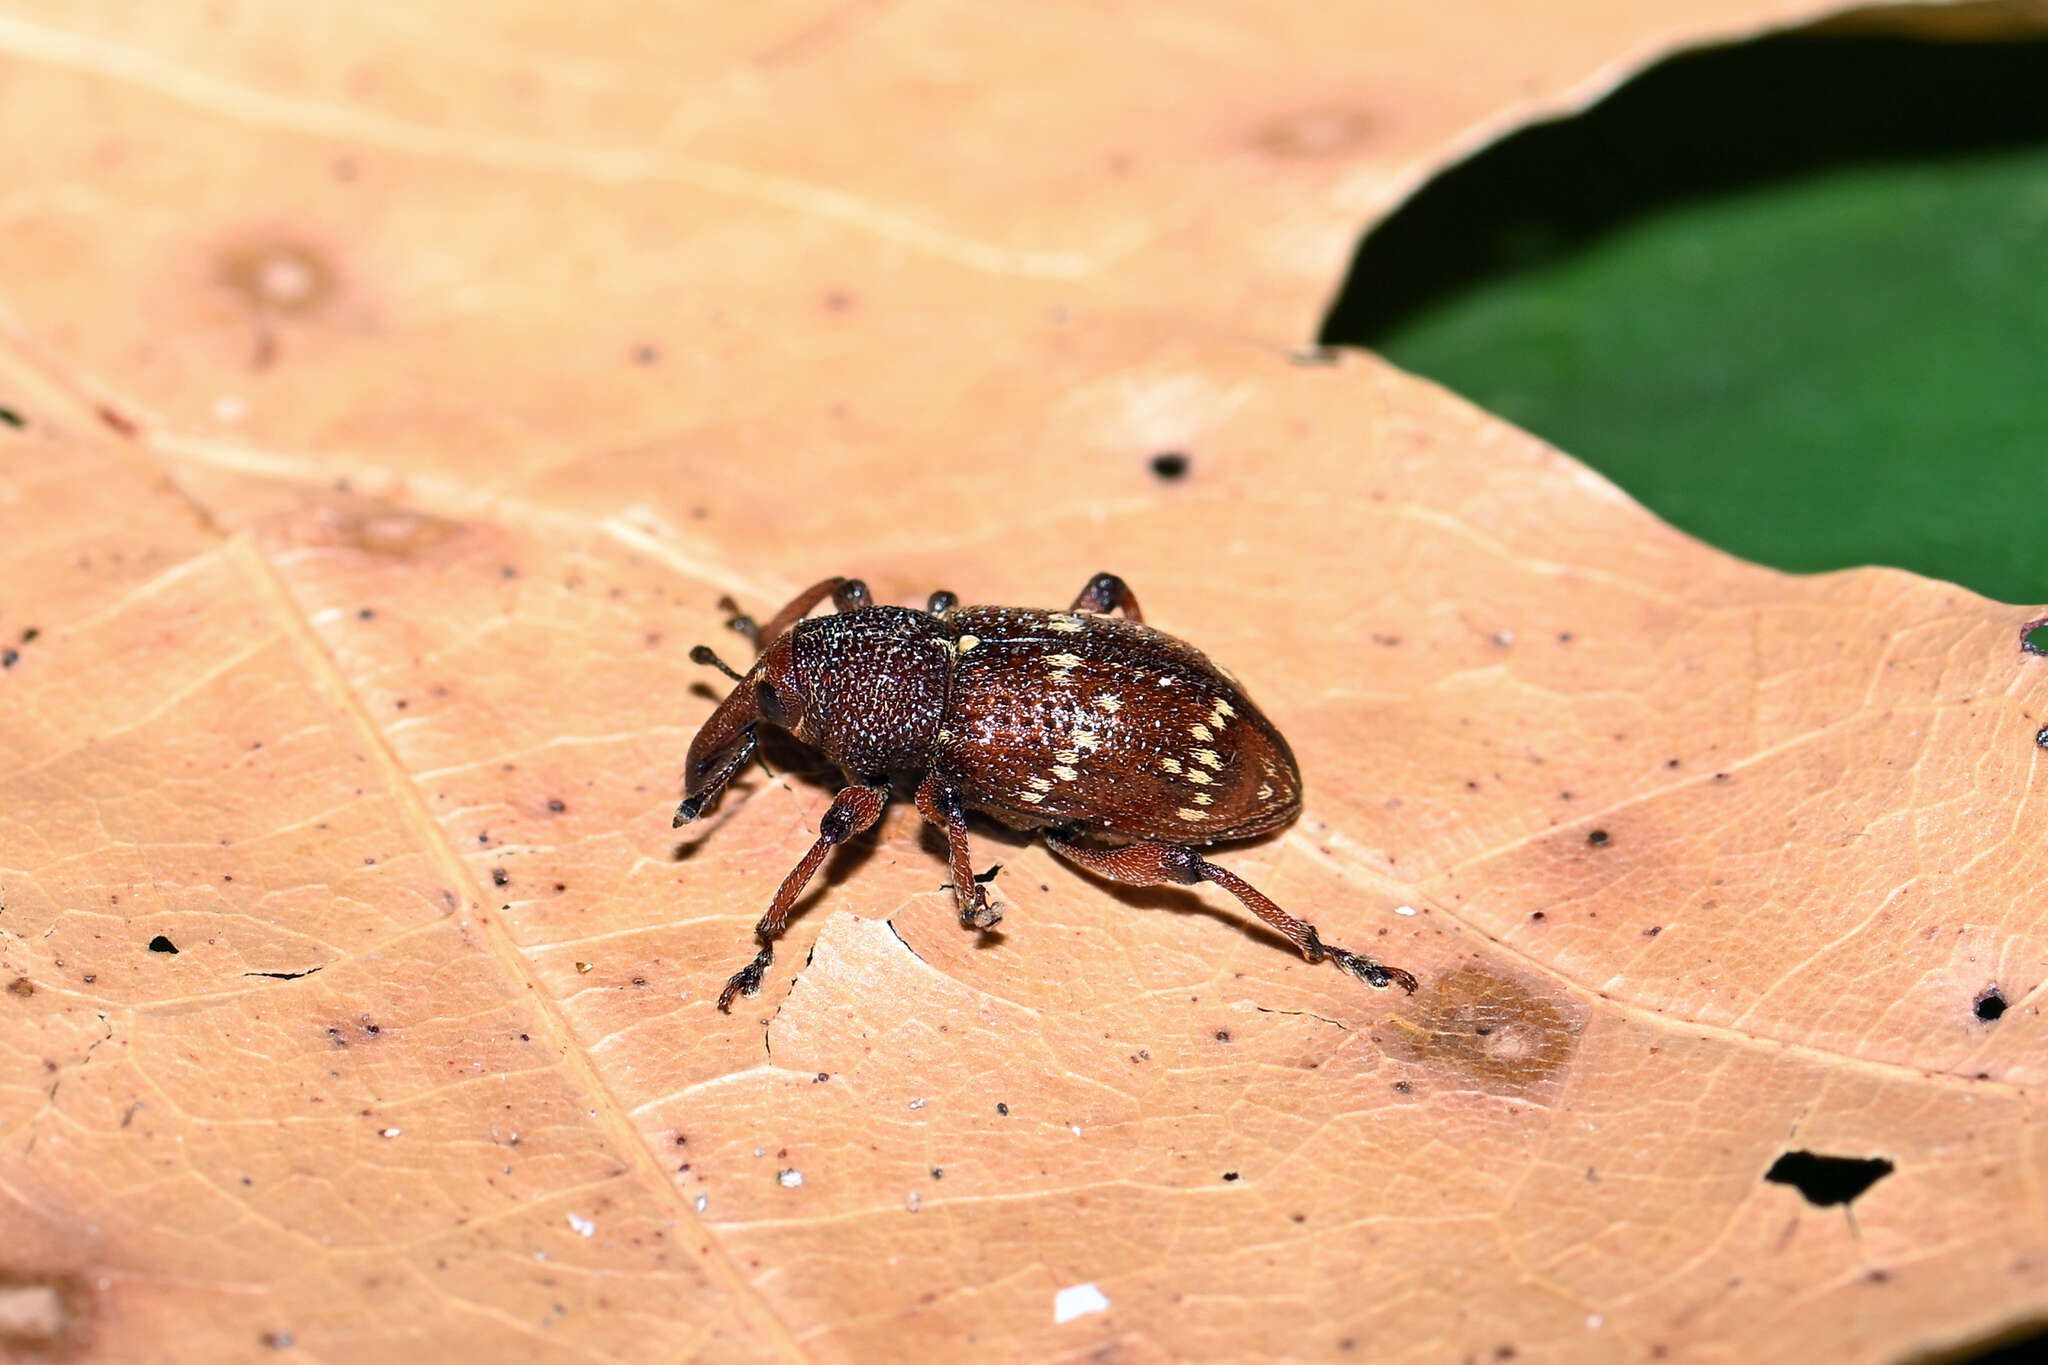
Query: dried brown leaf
x=400, y=389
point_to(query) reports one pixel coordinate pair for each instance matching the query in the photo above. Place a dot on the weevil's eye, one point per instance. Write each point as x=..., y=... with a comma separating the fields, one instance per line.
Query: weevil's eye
x=770, y=706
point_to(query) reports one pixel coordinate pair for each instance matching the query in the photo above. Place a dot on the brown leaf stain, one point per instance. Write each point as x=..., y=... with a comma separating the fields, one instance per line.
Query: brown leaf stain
x=1493, y=1028
x=383, y=529
x=43, y=1316
x=1314, y=133
x=274, y=280
x=22, y=987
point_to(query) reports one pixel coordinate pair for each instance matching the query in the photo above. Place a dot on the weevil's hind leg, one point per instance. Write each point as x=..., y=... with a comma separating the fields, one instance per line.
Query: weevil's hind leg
x=853, y=810
x=1153, y=864
x=1106, y=593
x=942, y=602
x=940, y=802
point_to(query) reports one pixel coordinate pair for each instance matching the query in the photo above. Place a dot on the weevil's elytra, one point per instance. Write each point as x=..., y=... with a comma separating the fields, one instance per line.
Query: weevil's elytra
x=1125, y=745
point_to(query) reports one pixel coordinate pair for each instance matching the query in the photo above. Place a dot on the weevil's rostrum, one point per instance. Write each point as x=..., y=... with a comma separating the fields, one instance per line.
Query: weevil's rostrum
x=1126, y=746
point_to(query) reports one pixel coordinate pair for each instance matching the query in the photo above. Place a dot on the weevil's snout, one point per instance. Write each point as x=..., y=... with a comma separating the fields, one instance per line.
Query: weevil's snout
x=726, y=740
x=722, y=747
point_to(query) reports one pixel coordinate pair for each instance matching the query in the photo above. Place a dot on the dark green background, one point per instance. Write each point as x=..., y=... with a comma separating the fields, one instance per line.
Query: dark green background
x=1792, y=295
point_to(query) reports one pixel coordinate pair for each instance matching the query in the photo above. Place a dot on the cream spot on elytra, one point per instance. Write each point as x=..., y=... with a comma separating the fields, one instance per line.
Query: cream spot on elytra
x=1067, y=755
x=1265, y=790
x=1069, y=624
x=1038, y=784
x=1223, y=709
x=1190, y=813
x=1109, y=702
x=1208, y=758
x=1203, y=798
x=1201, y=732
x=1033, y=797
x=1064, y=773
x=1199, y=778
x=968, y=642
x=1063, y=661
x=1171, y=765
x=1087, y=739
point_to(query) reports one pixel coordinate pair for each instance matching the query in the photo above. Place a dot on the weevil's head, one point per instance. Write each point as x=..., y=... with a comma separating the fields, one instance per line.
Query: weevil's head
x=769, y=693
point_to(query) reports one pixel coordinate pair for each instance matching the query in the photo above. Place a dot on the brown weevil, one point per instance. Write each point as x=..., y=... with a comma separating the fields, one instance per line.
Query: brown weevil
x=1126, y=746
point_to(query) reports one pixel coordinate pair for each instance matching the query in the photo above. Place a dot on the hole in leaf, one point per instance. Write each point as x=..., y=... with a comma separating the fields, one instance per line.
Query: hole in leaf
x=1747, y=284
x=1827, y=1180
x=161, y=944
x=1170, y=465
x=1990, y=1004
x=2034, y=637
x=1598, y=838
x=2017, y=1345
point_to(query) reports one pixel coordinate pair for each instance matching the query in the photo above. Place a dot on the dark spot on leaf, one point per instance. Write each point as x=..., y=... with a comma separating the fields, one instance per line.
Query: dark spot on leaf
x=557, y=807
x=645, y=354
x=1599, y=838
x=9, y=657
x=22, y=987
x=1827, y=1180
x=1002, y=1109
x=11, y=418
x=1170, y=465
x=1990, y=1004
x=500, y=877
x=160, y=944
x=1230, y=1177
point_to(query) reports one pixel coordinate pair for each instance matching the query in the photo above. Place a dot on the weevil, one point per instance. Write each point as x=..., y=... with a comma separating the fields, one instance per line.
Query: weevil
x=1125, y=746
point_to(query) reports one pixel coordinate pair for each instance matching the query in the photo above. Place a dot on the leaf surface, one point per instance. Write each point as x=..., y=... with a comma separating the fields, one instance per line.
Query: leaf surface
x=400, y=389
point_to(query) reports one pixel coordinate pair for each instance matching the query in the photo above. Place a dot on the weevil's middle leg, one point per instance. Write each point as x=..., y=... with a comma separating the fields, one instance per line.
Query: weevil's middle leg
x=1106, y=593
x=853, y=810
x=1153, y=864
x=940, y=802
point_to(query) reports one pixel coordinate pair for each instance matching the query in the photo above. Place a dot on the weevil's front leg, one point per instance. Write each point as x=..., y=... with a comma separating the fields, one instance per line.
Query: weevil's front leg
x=853, y=810
x=1151, y=864
x=940, y=802
x=847, y=594
x=1106, y=593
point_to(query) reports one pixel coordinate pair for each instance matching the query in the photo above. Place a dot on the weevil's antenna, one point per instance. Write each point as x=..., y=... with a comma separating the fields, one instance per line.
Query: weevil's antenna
x=703, y=654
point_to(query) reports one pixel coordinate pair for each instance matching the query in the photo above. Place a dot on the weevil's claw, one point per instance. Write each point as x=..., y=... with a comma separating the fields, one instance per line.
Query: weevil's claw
x=984, y=914
x=686, y=812
x=1372, y=973
x=746, y=980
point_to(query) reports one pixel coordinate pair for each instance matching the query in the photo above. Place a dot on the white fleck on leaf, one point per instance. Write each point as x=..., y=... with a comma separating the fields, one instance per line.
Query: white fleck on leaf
x=789, y=1179
x=585, y=1227
x=1078, y=1301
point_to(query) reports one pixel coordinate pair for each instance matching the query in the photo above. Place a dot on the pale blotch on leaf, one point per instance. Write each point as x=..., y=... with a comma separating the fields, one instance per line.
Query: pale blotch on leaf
x=1494, y=1029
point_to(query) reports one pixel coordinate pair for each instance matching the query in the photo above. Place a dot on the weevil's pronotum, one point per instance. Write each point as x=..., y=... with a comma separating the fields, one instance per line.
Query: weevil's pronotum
x=1126, y=746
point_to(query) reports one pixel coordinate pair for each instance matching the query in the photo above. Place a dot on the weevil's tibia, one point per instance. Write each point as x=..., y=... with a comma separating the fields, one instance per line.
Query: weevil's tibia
x=853, y=810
